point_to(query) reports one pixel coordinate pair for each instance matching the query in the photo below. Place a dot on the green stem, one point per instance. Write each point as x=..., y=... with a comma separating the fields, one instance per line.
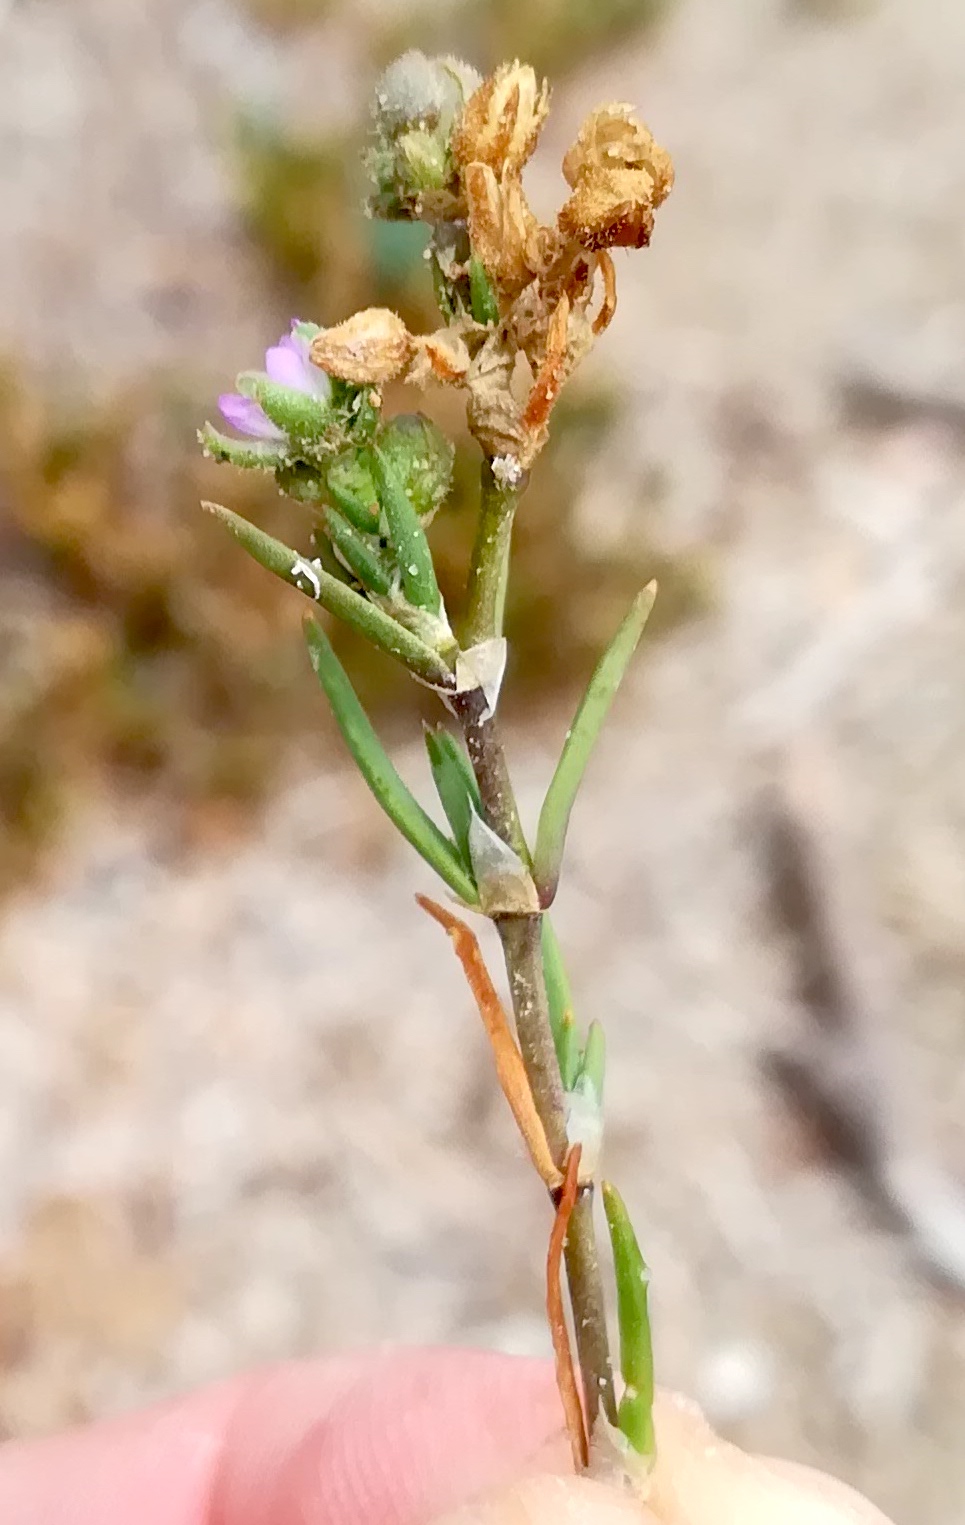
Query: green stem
x=521, y=938
x=489, y=568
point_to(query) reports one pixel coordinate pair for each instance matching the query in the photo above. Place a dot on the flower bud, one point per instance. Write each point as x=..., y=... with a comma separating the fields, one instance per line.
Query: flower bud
x=503, y=119
x=417, y=102
x=368, y=348
x=416, y=91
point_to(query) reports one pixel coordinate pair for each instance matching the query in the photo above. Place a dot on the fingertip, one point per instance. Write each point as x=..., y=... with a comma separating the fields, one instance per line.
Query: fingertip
x=386, y=1440
x=555, y=1500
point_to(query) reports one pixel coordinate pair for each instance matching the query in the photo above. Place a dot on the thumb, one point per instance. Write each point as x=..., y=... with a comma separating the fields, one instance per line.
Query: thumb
x=698, y=1480
x=555, y=1501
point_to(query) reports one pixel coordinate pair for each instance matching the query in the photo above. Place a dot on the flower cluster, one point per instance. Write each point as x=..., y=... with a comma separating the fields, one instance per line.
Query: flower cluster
x=451, y=149
x=508, y=284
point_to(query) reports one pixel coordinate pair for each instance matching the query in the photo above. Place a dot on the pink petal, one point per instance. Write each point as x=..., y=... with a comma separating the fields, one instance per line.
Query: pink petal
x=247, y=416
x=285, y=365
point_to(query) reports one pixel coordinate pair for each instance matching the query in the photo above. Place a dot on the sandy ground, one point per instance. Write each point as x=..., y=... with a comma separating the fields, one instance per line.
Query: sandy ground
x=244, y=1106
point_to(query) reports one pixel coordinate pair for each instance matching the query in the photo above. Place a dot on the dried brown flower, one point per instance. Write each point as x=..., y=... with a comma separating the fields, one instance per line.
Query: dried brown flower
x=502, y=120
x=545, y=278
x=503, y=231
x=371, y=346
x=612, y=137
x=619, y=175
x=610, y=209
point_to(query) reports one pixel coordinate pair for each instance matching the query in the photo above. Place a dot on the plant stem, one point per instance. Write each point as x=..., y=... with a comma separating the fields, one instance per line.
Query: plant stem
x=521, y=937
x=523, y=952
x=489, y=568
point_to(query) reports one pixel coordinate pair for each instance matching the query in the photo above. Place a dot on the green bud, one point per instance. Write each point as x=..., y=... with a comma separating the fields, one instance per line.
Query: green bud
x=418, y=101
x=416, y=91
x=422, y=458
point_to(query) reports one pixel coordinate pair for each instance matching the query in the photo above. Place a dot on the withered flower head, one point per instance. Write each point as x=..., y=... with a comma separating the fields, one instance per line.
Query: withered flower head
x=619, y=175
x=552, y=286
x=610, y=209
x=612, y=137
x=371, y=346
x=502, y=120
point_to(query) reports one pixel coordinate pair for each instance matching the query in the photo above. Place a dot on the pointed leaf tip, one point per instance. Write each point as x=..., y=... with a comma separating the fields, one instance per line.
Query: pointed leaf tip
x=580, y=741
x=635, y=1414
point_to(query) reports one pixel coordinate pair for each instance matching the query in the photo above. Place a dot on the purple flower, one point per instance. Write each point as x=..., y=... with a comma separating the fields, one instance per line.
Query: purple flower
x=287, y=363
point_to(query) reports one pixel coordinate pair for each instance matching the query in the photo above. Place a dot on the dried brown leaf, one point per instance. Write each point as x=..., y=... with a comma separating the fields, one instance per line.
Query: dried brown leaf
x=510, y=1070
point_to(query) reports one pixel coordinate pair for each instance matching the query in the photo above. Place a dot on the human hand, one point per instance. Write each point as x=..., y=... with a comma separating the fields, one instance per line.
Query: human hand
x=391, y=1438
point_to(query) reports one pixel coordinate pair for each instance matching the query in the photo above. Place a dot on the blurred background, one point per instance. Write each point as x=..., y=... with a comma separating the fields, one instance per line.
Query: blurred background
x=245, y=1108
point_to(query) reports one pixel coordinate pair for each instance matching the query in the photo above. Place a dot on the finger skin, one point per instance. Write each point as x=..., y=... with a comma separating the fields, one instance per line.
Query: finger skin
x=378, y=1439
x=698, y=1480
x=396, y=1438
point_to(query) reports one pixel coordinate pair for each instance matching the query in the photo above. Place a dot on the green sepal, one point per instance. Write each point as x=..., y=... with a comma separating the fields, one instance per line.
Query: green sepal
x=482, y=295
x=560, y=1002
x=635, y=1412
x=262, y=455
x=357, y=553
x=593, y=1064
x=370, y=621
x=426, y=159
x=580, y=741
x=402, y=809
x=306, y=419
x=455, y=784
x=351, y=487
x=407, y=536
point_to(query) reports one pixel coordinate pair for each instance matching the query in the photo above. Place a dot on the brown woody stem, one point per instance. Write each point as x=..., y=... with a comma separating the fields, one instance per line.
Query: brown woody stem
x=522, y=949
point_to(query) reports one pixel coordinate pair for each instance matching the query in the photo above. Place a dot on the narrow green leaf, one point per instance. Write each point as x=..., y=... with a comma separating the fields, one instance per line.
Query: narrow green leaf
x=580, y=740
x=635, y=1413
x=593, y=1068
x=560, y=1001
x=407, y=536
x=485, y=307
x=455, y=784
x=364, y=561
x=403, y=810
x=351, y=488
x=370, y=621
